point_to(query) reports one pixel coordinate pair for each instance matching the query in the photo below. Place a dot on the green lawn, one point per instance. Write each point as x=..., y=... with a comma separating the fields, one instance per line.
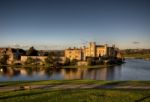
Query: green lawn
x=76, y=95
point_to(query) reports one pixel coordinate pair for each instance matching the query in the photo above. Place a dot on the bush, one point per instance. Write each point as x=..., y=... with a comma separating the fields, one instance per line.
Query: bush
x=73, y=62
x=30, y=61
x=99, y=62
x=3, y=60
x=90, y=61
x=67, y=62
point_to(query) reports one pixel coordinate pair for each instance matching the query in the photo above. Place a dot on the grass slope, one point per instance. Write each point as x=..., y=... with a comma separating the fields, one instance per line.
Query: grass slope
x=76, y=95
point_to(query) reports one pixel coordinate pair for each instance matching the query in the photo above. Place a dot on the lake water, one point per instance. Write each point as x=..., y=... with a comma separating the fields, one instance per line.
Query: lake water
x=133, y=69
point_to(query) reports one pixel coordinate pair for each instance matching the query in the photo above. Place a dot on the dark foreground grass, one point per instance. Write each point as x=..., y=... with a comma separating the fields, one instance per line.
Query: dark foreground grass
x=76, y=95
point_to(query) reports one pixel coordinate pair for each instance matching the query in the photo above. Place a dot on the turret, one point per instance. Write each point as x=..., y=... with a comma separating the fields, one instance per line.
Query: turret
x=106, y=49
x=93, y=49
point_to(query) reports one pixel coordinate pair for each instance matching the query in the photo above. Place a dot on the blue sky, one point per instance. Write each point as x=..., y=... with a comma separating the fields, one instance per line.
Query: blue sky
x=57, y=24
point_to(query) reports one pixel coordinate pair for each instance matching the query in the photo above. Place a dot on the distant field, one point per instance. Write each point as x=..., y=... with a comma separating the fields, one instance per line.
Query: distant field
x=138, y=55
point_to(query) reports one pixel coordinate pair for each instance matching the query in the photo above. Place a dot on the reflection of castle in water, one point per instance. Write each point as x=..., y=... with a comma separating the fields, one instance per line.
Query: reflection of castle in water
x=72, y=73
x=9, y=72
x=96, y=74
x=23, y=71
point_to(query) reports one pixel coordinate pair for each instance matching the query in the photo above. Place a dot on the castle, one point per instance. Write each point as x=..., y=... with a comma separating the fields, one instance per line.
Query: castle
x=80, y=54
x=92, y=50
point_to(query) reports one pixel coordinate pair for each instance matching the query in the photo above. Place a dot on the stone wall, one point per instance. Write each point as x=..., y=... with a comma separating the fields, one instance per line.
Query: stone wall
x=41, y=58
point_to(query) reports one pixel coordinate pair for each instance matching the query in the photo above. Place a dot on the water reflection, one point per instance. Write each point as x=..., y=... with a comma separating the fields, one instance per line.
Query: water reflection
x=70, y=73
x=9, y=72
x=132, y=70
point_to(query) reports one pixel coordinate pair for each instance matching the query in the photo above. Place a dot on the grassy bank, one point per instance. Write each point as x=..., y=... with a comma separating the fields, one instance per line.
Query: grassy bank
x=76, y=95
x=56, y=82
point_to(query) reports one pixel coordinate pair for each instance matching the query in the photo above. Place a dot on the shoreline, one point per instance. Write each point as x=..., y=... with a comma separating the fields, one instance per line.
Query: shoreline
x=61, y=67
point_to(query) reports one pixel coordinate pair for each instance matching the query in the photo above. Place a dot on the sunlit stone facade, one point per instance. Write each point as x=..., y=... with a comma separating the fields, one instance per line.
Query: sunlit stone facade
x=92, y=50
x=73, y=53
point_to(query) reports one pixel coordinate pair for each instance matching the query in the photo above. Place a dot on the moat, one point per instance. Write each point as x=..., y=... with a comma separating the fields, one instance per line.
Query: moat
x=133, y=69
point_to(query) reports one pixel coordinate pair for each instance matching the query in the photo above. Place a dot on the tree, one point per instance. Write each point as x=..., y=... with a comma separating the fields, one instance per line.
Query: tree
x=67, y=62
x=52, y=59
x=73, y=62
x=32, y=52
x=30, y=61
x=90, y=61
x=3, y=59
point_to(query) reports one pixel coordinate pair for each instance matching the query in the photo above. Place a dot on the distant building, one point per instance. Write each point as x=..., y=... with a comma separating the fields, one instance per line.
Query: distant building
x=73, y=53
x=92, y=50
x=80, y=54
x=13, y=54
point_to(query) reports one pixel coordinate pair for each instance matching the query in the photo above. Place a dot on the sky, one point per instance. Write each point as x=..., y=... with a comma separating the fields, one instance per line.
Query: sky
x=58, y=24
